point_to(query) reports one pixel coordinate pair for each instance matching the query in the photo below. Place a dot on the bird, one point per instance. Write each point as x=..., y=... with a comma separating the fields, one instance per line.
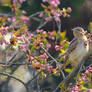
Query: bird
x=89, y=36
x=77, y=49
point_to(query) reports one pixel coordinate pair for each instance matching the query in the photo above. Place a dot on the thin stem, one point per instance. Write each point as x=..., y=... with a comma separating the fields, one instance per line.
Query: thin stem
x=33, y=78
x=5, y=74
x=70, y=75
x=7, y=15
x=79, y=71
x=54, y=61
x=34, y=14
x=49, y=55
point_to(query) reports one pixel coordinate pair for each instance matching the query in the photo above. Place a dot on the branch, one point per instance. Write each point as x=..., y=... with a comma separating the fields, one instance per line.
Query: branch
x=53, y=60
x=50, y=55
x=5, y=74
x=34, y=14
x=7, y=15
x=19, y=63
x=70, y=75
x=33, y=78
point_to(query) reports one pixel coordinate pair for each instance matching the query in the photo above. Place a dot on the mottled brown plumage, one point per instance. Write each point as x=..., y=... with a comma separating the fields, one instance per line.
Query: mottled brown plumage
x=78, y=47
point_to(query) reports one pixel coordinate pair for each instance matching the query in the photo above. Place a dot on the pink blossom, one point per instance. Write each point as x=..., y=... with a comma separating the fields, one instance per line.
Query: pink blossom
x=53, y=38
x=41, y=44
x=89, y=40
x=69, y=9
x=48, y=18
x=63, y=42
x=75, y=89
x=44, y=32
x=13, y=36
x=42, y=66
x=31, y=36
x=24, y=12
x=90, y=90
x=86, y=72
x=14, y=1
x=21, y=1
x=44, y=0
x=57, y=47
x=26, y=40
x=31, y=58
x=9, y=19
x=56, y=14
x=57, y=19
x=20, y=38
x=13, y=19
x=25, y=47
x=25, y=19
x=48, y=46
x=55, y=3
x=44, y=56
x=38, y=31
x=4, y=30
x=41, y=15
x=27, y=33
x=61, y=47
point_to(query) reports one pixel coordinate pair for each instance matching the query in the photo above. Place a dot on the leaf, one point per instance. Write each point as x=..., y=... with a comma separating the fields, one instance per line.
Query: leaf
x=5, y=2
x=84, y=89
x=43, y=6
x=63, y=34
x=68, y=70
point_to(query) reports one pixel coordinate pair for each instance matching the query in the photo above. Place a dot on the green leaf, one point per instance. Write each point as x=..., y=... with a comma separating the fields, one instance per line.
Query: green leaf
x=68, y=70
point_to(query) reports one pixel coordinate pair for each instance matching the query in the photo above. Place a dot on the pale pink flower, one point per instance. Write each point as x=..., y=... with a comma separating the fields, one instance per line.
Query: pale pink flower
x=24, y=12
x=69, y=9
x=57, y=47
x=57, y=19
x=48, y=18
x=44, y=0
x=41, y=15
x=44, y=56
x=25, y=19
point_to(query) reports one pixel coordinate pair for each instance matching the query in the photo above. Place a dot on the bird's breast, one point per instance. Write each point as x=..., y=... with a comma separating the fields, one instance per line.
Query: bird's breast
x=79, y=52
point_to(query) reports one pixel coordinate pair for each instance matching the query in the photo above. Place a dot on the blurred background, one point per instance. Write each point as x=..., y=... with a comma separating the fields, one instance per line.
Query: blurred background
x=81, y=12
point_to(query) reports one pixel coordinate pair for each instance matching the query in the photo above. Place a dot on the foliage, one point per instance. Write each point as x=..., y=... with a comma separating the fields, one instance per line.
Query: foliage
x=16, y=36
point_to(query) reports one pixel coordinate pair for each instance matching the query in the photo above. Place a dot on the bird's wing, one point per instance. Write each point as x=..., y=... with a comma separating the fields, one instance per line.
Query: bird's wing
x=71, y=47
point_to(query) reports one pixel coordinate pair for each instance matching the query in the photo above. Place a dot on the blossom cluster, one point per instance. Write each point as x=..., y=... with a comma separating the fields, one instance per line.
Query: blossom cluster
x=53, y=10
x=16, y=36
x=84, y=83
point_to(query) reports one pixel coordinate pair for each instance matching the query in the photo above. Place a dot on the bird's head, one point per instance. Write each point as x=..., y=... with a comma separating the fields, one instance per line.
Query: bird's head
x=78, y=32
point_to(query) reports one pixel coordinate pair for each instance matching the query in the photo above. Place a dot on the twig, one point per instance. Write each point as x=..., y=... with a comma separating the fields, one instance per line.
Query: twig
x=59, y=26
x=53, y=60
x=22, y=63
x=11, y=60
x=38, y=86
x=34, y=14
x=70, y=75
x=37, y=19
x=5, y=74
x=33, y=78
x=50, y=55
x=79, y=71
x=43, y=24
x=7, y=15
